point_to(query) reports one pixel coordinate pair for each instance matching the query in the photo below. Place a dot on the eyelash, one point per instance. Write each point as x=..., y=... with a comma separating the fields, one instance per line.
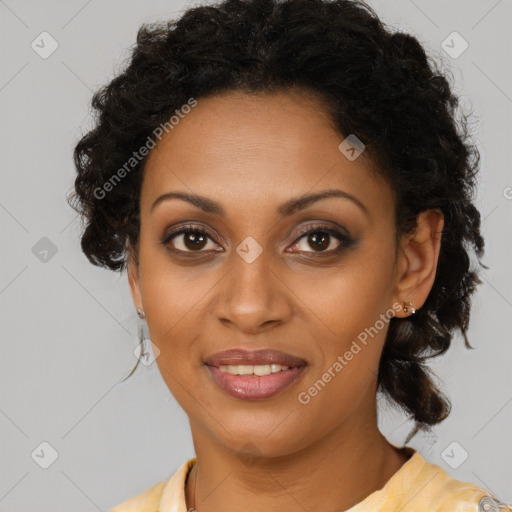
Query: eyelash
x=345, y=240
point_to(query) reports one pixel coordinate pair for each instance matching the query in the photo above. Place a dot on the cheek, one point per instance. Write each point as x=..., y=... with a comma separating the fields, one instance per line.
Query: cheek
x=174, y=300
x=172, y=293
x=351, y=307
x=175, y=315
x=350, y=296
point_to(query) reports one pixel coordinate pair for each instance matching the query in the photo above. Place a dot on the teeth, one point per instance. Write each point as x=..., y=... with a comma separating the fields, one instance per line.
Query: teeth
x=249, y=369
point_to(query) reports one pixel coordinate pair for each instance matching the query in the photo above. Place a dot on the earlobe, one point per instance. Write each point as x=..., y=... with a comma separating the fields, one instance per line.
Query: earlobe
x=418, y=257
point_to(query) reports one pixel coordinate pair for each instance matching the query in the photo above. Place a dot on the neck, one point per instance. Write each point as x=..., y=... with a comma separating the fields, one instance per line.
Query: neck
x=340, y=469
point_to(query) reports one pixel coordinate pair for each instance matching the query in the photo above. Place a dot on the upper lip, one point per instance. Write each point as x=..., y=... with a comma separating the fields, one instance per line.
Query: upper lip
x=262, y=356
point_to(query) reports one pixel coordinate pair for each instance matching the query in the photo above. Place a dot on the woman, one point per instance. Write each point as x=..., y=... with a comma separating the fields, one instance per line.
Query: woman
x=287, y=187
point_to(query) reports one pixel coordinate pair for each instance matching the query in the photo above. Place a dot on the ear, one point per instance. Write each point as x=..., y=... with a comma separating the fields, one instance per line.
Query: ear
x=133, y=278
x=417, y=260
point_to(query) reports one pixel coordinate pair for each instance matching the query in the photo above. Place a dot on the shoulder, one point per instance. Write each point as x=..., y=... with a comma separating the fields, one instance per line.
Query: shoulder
x=456, y=496
x=165, y=495
x=149, y=500
x=434, y=490
x=420, y=486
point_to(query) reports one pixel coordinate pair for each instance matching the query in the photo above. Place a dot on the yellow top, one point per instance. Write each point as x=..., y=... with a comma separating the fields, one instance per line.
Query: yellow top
x=418, y=486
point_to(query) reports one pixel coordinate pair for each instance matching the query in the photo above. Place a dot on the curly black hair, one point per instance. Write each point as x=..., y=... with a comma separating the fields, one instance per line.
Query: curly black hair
x=378, y=84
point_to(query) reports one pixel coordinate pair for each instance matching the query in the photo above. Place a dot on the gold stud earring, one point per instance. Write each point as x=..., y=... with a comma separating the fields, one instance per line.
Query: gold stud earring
x=408, y=308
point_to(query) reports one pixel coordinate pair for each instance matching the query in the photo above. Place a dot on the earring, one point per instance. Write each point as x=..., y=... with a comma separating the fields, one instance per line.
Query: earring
x=408, y=308
x=143, y=338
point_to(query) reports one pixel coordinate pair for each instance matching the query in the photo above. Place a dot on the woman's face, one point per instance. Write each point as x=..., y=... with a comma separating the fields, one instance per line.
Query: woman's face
x=255, y=280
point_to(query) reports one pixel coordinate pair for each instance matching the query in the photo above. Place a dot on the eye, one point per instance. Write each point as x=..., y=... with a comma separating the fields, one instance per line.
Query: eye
x=189, y=239
x=313, y=239
x=321, y=239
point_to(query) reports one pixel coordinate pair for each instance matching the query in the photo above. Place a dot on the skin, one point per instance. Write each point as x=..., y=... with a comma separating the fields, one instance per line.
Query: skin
x=250, y=154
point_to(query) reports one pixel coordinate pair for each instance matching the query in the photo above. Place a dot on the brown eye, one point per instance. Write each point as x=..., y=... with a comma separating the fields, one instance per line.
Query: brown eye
x=321, y=240
x=190, y=240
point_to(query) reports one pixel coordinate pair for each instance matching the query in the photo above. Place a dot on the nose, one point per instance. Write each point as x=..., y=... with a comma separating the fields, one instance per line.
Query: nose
x=252, y=297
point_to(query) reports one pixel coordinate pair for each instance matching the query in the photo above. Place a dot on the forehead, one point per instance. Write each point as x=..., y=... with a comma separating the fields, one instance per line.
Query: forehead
x=257, y=150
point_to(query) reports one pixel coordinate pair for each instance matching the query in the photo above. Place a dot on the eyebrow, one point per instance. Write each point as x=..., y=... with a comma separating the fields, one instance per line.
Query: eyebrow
x=288, y=208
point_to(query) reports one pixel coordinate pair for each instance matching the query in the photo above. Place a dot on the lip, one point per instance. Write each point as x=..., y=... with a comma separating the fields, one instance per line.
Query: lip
x=254, y=387
x=261, y=356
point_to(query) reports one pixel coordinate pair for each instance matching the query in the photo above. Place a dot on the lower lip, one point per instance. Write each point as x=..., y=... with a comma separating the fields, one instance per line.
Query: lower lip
x=254, y=387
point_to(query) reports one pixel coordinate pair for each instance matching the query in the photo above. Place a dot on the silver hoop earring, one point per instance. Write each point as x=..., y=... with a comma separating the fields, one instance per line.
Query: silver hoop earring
x=144, y=342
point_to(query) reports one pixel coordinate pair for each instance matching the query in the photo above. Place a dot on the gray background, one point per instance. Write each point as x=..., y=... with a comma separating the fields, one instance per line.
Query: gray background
x=68, y=328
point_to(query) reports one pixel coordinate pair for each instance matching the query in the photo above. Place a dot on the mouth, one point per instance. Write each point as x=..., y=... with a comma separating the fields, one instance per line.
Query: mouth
x=254, y=375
